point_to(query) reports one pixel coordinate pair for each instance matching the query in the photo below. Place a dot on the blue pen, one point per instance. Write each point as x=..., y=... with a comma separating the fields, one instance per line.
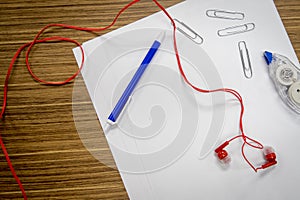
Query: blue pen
x=132, y=84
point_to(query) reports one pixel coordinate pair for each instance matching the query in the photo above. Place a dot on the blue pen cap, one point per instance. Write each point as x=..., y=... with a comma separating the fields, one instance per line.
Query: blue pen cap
x=132, y=84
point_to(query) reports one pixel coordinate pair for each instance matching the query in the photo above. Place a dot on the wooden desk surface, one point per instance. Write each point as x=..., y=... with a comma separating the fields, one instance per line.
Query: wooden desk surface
x=39, y=129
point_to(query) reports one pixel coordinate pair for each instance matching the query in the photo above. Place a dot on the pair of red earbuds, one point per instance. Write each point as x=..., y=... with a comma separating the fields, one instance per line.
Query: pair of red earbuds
x=269, y=155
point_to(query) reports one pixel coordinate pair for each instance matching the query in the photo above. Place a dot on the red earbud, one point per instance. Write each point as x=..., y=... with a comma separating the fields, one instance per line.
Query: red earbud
x=270, y=157
x=222, y=154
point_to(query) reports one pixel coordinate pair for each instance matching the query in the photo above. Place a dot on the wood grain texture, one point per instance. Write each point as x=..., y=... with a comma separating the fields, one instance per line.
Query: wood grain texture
x=39, y=130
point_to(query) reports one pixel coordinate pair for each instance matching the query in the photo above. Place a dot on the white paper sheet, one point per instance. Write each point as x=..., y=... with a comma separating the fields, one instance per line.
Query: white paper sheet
x=163, y=143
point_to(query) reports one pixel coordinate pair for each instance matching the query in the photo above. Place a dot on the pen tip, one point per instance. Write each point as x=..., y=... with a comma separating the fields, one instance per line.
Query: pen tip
x=106, y=127
x=161, y=36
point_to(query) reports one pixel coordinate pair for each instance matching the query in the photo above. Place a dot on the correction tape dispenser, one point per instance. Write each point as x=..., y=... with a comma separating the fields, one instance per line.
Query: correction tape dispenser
x=286, y=78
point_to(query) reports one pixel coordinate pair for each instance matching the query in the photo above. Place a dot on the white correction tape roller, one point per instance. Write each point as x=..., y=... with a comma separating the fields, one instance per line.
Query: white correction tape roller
x=286, y=78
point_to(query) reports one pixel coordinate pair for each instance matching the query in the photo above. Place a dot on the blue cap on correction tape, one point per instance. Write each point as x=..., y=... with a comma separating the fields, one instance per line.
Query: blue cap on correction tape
x=268, y=57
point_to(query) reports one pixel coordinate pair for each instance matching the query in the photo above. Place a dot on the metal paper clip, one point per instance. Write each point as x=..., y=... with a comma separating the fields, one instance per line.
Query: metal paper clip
x=236, y=29
x=245, y=58
x=224, y=14
x=188, y=32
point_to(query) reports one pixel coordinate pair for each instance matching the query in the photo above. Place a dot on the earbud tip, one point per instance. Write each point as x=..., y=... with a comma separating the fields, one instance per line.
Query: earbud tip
x=269, y=154
x=223, y=157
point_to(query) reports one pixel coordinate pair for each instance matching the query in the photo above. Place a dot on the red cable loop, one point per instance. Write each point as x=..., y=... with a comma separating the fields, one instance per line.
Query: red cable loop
x=56, y=38
x=36, y=40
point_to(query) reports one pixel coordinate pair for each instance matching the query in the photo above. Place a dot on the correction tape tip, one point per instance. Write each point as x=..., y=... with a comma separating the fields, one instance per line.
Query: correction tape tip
x=268, y=56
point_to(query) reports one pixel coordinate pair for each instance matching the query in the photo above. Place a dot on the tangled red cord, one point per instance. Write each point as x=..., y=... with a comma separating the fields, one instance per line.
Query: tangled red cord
x=246, y=140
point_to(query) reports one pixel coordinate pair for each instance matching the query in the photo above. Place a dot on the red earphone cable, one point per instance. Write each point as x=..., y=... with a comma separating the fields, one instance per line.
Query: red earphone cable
x=36, y=40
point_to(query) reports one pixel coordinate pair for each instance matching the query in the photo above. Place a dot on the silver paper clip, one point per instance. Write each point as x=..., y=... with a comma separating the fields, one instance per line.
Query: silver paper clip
x=224, y=14
x=188, y=32
x=245, y=58
x=236, y=29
